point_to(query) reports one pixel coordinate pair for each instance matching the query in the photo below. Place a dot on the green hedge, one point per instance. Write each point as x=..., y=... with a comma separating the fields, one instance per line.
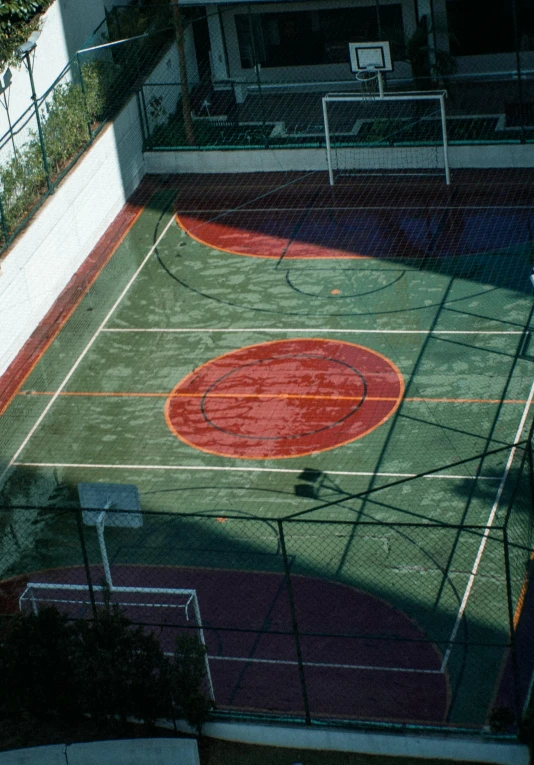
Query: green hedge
x=69, y=118
x=18, y=19
x=106, y=668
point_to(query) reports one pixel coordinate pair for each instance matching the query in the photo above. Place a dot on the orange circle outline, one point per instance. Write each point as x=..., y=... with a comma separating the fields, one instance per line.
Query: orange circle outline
x=184, y=440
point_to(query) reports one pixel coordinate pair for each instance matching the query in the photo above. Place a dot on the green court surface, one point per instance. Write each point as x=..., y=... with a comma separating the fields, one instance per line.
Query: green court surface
x=165, y=305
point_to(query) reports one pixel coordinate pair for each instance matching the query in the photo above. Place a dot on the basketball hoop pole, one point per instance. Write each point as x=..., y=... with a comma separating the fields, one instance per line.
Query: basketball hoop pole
x=100, y=503
x=100, y=523
x=380, y=84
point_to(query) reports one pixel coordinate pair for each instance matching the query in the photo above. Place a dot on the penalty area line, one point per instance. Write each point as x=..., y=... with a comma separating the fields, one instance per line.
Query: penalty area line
x=308, y=331
x=328, y=665
x=85, y=351
x=223, y=469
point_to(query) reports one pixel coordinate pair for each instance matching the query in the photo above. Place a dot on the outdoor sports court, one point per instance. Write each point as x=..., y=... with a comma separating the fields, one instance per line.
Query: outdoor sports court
x=274, y=363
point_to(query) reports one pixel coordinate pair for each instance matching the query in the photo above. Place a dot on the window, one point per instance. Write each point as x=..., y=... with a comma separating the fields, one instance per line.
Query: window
x=487, y=26
x=304, y=38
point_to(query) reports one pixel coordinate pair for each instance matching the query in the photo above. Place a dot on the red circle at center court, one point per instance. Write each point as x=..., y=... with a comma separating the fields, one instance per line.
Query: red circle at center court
x=286, y=398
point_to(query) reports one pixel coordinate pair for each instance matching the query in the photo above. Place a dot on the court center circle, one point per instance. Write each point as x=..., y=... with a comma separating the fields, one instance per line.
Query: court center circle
x=285, y=398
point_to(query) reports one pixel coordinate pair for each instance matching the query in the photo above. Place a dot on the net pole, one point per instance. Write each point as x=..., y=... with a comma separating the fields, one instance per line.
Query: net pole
x=203, y=641
x=512, y=625
x=294, y=622
x=102, y=544
x=445, y=140
x=327, y=140
x=79, y=524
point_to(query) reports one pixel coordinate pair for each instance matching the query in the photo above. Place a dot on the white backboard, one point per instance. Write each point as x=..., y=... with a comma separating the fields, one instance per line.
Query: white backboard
x=98, y=497
x=367, y=55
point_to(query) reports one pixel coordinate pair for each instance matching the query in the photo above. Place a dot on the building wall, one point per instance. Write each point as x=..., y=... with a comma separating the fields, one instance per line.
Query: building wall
x=161, y=91
x=65, y=26
x=317, y=73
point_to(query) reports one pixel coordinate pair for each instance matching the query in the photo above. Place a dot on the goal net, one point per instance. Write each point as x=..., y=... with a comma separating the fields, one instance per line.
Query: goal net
x=166, y=611
x=397, y=133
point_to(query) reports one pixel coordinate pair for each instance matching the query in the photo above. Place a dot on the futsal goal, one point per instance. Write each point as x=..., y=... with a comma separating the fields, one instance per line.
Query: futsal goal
x=165, y=611
x=378, y=132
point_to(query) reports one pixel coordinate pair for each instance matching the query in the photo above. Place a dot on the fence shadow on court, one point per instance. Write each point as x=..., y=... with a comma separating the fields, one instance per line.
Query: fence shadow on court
x=398, y=623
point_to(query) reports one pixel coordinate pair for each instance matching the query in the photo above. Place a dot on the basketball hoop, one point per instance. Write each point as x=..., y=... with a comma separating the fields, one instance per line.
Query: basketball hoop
x=371, y=80
x=365, y=75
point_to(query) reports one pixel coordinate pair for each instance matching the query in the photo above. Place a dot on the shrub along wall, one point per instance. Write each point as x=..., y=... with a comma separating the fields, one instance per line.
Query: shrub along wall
x=104, y=668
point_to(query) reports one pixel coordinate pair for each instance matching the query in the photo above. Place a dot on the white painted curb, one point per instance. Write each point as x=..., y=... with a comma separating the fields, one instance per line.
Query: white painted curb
x=138, y=751
x=431, y=747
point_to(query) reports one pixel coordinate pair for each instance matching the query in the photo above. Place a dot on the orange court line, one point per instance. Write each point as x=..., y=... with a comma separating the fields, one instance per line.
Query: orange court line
x=103, y=394
x=131, y=212
x=522, y=595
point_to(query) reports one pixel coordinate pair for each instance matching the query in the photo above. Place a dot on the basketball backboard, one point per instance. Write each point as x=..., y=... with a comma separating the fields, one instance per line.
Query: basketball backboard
x=109, y=497
x=370, y=55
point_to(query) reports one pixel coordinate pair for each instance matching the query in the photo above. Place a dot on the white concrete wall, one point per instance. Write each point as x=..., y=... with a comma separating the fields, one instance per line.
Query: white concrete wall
x=45, y=256
x=284, y=160
x=65, y=26
x=147, y=751
x=432, y=748
x=168, y=71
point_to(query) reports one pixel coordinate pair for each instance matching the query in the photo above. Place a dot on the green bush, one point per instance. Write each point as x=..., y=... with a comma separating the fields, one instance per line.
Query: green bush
x=121, y=670
x=22, y=183
x=68, y=119
x=18, y=19
x=100, y=80
x=105, y=668
x=36, y=666
x=187, y=677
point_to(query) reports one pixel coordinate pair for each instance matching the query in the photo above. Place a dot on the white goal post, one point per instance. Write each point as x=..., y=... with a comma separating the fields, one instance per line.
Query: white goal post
x=141, y=605
x=378, y=132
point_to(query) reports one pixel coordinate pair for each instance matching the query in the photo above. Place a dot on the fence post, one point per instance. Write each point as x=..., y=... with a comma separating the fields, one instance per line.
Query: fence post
x=530, y=476
x=522, y=111
x=258, y=78
x=511, y=619
x=83, y=548
x=184, y=83
x=4, y=224
x=141, y=107
x=294, y=622
x=38, y=118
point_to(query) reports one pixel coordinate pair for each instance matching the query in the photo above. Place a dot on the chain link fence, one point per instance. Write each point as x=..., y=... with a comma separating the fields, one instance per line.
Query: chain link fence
x=306, y=617
x=262, y=70
x=46, y=141
x=250, y=75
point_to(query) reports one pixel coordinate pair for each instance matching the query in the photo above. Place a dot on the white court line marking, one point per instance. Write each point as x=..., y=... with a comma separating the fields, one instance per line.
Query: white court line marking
x=103, y=466
x=324, y=330
x=85, y=351
x=485, y=536
x=329, y=665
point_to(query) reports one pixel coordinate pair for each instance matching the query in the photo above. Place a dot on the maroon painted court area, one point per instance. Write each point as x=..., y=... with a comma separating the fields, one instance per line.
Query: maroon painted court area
x=395, y=218
x=362, y=657
x=285, y=398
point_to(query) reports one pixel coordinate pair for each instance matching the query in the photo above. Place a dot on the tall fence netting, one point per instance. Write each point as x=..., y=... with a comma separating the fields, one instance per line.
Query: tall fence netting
x=345, y=619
